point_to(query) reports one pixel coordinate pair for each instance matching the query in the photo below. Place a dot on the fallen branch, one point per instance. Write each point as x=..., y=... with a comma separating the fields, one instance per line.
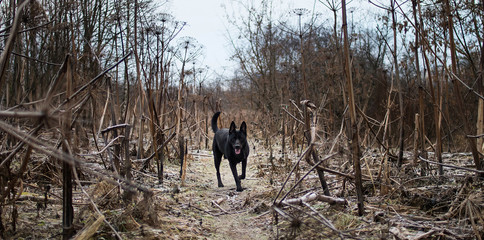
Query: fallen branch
x=452, y=166
x=309, y=197
x=93, y=204
x=16, y=114
x=475, y=136
x=306, y=151
x=39, y=199
x=87, y=232
x=324, y=220
x=216, y=204
x=426, y=235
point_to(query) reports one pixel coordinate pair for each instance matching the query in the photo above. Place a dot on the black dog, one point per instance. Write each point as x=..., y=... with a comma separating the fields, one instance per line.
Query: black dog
x=232, y=144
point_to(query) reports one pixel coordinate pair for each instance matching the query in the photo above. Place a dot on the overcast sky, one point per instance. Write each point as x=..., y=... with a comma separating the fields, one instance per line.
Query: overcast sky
x=206, y=22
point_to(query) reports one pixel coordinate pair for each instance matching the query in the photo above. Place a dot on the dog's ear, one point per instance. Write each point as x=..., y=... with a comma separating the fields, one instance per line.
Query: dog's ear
x=243, y=128
x=232, y=128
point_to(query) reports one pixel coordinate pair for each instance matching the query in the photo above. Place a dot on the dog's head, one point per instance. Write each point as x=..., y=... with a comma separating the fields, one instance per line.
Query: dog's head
x=238, y=138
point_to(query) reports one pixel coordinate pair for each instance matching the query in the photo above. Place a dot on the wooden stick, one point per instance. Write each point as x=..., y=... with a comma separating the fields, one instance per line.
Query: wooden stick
x=452, y=166
x=216, y=204
x=15, y=114
x=89, y=231
x=309, y=197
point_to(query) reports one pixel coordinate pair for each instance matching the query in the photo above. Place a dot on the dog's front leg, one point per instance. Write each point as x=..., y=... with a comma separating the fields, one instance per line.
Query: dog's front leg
x=244, y=166
x=233, y=167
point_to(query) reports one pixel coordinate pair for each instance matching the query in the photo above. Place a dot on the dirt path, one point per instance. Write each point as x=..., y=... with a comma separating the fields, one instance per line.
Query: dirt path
x=219, y=213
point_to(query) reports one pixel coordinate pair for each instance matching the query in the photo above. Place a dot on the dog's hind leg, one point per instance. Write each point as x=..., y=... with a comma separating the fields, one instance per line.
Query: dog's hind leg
x=233, y=167
x=218, y=159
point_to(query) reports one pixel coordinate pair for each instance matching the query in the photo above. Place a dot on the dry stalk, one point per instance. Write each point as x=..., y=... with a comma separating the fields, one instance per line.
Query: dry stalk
x=306, y=151
x=94, y=80
x=101, y=215
x=114, y=140
x=19, y=147
x=159, y=148
x=11, y=40
x=452, y=166
x=354, y=142
x=55, y=153
x=305, y=175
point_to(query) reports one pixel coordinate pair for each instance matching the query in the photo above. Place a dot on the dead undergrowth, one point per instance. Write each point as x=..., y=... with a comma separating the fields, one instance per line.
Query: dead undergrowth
x=412, y=207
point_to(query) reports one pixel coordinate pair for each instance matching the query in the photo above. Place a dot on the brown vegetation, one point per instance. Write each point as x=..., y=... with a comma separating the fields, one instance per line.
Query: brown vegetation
x=356, y=131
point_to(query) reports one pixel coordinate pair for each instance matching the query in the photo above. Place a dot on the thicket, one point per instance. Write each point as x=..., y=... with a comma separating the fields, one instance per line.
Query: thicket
x=115, y=76
x=277, y=57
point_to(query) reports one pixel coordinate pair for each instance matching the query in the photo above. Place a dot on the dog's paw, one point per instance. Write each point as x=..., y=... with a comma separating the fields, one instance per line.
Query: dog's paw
x=242, y=177
x=240, y=189
x=220, y=185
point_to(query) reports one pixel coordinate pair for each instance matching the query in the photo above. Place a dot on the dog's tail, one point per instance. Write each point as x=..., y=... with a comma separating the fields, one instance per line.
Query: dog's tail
x=214, y=122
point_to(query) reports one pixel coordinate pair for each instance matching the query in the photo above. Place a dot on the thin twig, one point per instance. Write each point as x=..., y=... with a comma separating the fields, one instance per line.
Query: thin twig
x=104, y=148
x=110, y=128
x=216, y=204
x=76, y=178
x=292, y=116
x=308, y=149
x=29, y=29
x=159, y=148
x=451, y=166
x=475, y=136
x=35, y=59
x=19, y=147
x=307, y=173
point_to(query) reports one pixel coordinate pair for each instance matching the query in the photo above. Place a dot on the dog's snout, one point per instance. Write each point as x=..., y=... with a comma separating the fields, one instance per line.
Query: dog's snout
x=237, y=145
